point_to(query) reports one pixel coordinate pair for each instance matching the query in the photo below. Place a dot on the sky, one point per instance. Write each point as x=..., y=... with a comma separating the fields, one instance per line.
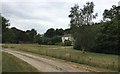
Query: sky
x=44, y=14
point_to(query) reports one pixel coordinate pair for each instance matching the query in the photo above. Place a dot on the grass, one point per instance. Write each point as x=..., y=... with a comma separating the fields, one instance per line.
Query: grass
x=0, y=60
x=12, y=64
x=105, y=61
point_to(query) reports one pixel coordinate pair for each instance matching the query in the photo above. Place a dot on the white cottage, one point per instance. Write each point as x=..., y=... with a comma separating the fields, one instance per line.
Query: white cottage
x=67, y=37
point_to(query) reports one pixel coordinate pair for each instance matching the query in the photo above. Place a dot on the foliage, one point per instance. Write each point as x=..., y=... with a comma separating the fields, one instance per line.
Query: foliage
x=59, y=32
x=80, y=24
x=51, y=41
x=50, y=32
x=107, y=38
x=5, y=24
x=31, y=34
x=56, y=39
x=77, y=44
x=59, y=43
x=67, y=43
x=111, y=14
x=14, y=35
x=53, y=36
x=67, y=31
x=56, y=32
x=38, y=39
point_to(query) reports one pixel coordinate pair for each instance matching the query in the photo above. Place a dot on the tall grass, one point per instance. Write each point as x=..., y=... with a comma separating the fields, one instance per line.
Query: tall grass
x=12, y=64
x=105, y=61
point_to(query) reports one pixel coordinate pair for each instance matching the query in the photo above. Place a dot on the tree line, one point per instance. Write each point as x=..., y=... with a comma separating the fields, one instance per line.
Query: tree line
x=102, y=37
x=13, y=35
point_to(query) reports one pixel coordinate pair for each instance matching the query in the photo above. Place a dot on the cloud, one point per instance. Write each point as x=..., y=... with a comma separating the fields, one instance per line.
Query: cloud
x=44, y=14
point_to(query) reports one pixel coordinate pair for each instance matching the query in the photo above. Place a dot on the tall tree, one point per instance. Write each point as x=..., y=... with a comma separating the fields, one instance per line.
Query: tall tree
x=22, y=36
x=38, y=39
x=50, y=32
x=59, y=32
x=5, y=24
x=0, y=28
x=108, y=38
x=31, y=34
x=80, y=22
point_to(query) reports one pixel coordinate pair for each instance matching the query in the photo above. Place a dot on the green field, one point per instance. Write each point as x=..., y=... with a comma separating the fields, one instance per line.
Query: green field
x=104, y=61
x=12, y=64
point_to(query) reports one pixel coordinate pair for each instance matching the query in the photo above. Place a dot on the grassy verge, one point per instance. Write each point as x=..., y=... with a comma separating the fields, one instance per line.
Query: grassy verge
x=12, y=64
x=0, y=60
x=104, y=61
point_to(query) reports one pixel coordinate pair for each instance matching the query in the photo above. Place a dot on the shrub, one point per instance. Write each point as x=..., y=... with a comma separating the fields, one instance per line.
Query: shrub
x=67, y=43
x=59, y=43
x=56, y=39
x=77, y=45
x=50, y=43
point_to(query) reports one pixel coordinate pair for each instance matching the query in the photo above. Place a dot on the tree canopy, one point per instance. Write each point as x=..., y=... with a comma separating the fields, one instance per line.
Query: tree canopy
x=80, y=22
x=14, y=35
x=108, y=37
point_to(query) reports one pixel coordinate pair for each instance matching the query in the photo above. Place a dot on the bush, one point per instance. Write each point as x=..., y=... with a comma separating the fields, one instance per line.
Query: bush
x=56, y=39
x=67, y=43
x=45, y=40
x=77, y=45
x=107, y=48
x=50, y=43
x=59, y=43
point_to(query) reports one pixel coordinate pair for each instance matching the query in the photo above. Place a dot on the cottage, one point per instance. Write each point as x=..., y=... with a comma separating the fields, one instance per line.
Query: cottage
x=67, y=37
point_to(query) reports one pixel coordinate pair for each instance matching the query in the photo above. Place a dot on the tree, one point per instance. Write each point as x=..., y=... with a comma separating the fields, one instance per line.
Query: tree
x=67, y=43
x=59, y=32
x=31, y=34
x=56, y=39
x=67, y=31
x=5, y=24
x=14, y=35
x=50, y=33
x=45, y=40
x=9, y=36
x=107, y=38
x=111, y=14
x=80, y=25
x=0, y=29
x=38, y=39
x=22, y=36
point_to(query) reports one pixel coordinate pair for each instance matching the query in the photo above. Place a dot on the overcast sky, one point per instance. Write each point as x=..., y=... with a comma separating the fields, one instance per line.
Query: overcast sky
x=44, y=14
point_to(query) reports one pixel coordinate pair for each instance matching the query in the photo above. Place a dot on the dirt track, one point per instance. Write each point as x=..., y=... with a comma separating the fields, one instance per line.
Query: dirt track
x=44, y=64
